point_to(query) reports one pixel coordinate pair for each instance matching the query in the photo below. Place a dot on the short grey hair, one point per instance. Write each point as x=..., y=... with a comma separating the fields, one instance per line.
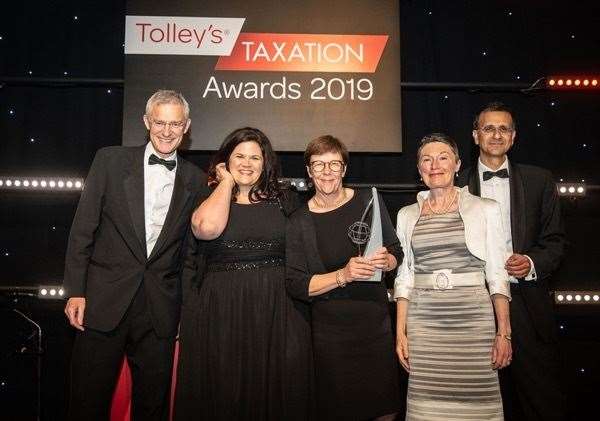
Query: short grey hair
x=438, y=137
x=165, y=96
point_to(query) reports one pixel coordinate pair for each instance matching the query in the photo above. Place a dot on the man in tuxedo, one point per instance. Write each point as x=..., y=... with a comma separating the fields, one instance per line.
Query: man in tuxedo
x=130, y=248
x=535, y=243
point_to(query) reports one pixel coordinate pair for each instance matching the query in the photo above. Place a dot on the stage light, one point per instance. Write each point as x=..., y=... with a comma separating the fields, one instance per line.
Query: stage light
x=51, y=292
x=577, y=297
x=571, y=82
x=38, y=183
x=571, y=189
x=299, y=184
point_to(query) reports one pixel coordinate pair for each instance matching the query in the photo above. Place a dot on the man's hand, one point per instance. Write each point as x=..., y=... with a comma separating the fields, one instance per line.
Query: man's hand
x=74, y=310
x=518, y=266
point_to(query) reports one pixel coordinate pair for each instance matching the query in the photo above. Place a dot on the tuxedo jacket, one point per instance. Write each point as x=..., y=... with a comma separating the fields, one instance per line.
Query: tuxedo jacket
x=537, y=231
x=106, y=259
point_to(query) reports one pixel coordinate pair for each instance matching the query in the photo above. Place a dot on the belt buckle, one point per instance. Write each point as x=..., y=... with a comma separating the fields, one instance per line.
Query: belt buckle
x=442, y=280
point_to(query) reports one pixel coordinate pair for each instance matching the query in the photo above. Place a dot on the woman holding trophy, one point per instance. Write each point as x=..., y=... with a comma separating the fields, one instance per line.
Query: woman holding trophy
x=355, y=366
x=446, y=336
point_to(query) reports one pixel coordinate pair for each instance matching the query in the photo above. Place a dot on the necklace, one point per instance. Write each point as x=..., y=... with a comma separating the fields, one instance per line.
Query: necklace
x=333, y=205
x=445, y=207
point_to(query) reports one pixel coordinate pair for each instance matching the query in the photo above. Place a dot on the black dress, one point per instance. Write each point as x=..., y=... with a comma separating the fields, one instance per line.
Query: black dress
x=356, y=367
x=245, y=345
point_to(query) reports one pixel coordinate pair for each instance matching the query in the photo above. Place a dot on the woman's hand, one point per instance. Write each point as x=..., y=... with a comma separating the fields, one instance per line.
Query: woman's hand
x=358, y=268
x=402, y=350
x=383, y=260
x=223, y=174
x=501, y=352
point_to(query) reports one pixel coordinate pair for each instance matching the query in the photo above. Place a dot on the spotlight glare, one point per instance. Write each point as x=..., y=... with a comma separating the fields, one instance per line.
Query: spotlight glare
x=560, y=82
x=596, y=297
x=586, y=82
x=69, y=184
x=571, y=189
x=563, y=189
x=43, y=183
x=577, y=82
x=34, y=183
x=560, y=297
x=594, y=82
x=578, y=297
x=580, y=189
x=78, y=184
x=569, y=297
x=17, y=183
x=1, y=183
x=61, y=184
x=52, y=184
x=568, y=82
x=53, y=292
x=9, y=183
x=61, y=292
x=551, y=82
x=44, y=291
x=586, y=297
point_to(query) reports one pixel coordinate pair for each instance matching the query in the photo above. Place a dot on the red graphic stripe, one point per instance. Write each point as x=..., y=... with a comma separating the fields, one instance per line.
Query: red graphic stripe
x=305, y=53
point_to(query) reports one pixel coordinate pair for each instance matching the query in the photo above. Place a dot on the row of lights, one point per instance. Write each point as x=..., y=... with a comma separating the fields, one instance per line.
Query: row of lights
x=51, y=292
x=568, y=82
x=571, y=189
x=577, y=297
x=40, y=183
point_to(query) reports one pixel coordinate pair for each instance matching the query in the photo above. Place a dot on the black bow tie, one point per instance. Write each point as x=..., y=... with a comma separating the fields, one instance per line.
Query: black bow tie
x=503, y=173
x=153, y=159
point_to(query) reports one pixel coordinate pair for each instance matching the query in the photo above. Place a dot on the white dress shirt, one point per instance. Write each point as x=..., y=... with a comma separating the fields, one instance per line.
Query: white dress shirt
x=158, y=189
x=499, y=189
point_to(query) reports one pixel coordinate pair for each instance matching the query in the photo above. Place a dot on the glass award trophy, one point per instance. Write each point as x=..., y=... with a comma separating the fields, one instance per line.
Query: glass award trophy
x=361, y=233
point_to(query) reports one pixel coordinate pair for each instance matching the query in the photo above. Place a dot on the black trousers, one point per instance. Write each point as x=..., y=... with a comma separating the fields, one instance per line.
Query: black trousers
x=96, y=363
x=531, y=386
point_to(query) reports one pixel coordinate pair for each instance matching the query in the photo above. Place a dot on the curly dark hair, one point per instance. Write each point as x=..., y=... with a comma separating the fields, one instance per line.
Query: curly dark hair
x=267, y=186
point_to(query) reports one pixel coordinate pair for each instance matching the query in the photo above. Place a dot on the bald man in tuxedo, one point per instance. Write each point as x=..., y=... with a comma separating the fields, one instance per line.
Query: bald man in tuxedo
x=535, y=243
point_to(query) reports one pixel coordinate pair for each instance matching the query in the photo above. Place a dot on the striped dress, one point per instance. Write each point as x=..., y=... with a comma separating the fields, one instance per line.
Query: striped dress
x=450, y=332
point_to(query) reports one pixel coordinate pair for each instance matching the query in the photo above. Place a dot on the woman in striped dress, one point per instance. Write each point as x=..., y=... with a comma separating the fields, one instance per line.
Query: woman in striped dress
x=451, y=336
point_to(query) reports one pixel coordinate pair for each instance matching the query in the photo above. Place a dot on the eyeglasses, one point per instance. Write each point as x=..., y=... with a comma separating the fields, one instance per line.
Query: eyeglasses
x=492, y=130
x=173, y=125
x=334, y=166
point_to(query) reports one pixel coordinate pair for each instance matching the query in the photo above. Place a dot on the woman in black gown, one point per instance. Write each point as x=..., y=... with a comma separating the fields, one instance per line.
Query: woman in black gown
x=356, y=369
x=245, y=345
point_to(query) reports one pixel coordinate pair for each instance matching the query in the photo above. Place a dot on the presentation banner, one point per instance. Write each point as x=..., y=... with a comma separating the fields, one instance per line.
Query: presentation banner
x=295, y=70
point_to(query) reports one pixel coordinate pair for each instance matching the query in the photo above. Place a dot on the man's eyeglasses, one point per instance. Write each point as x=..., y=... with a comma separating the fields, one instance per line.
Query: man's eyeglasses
x=173, y=125
x=491, y=130
x=334, y=166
